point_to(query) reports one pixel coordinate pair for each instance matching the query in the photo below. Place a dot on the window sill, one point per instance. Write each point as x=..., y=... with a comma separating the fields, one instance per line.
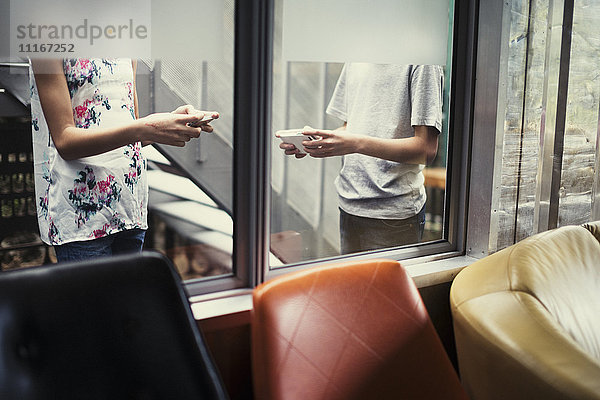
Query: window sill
x=229, y=308
x=429, y=272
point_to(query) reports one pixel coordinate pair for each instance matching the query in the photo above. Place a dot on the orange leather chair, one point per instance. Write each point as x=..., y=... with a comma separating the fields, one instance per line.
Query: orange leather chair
x=347, y=331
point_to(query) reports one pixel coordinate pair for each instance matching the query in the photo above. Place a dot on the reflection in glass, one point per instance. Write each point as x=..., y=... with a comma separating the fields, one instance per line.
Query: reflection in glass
x=305, y=217
x=392, y=117
x=190, y=203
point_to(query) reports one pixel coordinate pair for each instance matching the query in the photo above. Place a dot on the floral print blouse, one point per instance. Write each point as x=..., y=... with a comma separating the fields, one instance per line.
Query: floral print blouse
x=94, y=196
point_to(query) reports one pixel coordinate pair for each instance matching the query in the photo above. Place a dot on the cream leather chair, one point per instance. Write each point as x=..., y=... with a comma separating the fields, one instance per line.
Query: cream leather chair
x=527, y=318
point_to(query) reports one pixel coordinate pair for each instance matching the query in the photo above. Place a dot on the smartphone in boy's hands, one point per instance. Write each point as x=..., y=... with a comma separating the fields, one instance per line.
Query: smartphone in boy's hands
x=295, y=137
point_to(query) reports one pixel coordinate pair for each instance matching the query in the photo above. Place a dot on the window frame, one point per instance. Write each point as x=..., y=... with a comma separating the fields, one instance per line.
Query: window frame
x=252, y=115
x=251, y=164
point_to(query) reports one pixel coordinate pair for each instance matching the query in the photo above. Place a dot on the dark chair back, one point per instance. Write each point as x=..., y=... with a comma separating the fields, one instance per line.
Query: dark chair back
x=111, y=328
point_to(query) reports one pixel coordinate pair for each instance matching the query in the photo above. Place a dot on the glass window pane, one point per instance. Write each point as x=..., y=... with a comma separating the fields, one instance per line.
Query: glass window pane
x=389, y=194
x=191, y=188
x=151, y=58
x=378, y=31
x=582, y=117
x=522, y=111
x=537, y=54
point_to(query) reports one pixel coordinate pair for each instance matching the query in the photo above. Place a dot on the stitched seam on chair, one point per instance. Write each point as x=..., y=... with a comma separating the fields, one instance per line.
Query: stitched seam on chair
x=561, y=331
x=349, y=333
x=508, y=273
x=513, y=294
x=343, y=327
x=510, y=270
x=475, y=330
x=484, y=337
x=301, y=355
x=290, y=341
x=403, y=311
x=290, y=346
x=534, y=372
x=410, y=315
x=309, y=361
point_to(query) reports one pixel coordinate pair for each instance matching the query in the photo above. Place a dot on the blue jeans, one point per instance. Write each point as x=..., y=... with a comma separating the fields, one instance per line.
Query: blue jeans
x=129, y=241
x=362, y=234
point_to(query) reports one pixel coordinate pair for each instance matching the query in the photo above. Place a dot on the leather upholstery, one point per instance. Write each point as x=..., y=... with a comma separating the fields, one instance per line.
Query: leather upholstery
x=347, y=331
x=113, y=328
x=594, y=228
x=526, y=319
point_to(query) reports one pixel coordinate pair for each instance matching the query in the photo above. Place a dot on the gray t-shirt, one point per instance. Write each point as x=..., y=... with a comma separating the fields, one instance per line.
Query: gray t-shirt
x=385, y=101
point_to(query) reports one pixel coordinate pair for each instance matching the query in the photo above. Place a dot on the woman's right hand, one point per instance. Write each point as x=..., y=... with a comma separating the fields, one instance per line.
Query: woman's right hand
x=189, y=109
x=169, y=128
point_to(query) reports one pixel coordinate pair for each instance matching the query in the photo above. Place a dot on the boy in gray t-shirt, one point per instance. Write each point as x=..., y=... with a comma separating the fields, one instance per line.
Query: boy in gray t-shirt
x=392, y=117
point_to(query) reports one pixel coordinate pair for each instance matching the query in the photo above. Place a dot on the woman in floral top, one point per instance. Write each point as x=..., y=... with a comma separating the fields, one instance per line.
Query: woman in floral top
x=90, y=175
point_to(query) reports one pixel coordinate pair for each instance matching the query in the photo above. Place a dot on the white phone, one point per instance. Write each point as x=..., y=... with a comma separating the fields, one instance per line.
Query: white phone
x=207, y=119
x=295, y=137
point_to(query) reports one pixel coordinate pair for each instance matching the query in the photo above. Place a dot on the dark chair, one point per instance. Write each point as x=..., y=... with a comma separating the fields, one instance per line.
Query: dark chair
x=111, y=328
x=347, y=331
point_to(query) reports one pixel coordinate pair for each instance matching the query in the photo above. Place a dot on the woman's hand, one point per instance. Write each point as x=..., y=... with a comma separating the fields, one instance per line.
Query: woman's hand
x=73, y=143
x=170, y=128
x=189, y=109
